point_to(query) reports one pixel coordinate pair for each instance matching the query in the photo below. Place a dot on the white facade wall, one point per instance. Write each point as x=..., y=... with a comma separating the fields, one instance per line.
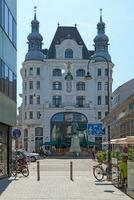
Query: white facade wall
x=46, y=78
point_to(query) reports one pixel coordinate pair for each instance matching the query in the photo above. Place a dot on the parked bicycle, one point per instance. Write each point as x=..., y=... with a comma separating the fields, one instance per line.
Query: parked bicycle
x=18, y=167
x=101, y=170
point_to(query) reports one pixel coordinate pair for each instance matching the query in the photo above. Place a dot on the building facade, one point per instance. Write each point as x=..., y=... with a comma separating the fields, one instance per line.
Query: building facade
x=121, y=119
x=122, y=93
x=7, y=79
x=56, y=95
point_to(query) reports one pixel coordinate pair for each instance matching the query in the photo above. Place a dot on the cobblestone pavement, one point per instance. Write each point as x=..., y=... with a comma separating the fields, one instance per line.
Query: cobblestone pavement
x=55, y=183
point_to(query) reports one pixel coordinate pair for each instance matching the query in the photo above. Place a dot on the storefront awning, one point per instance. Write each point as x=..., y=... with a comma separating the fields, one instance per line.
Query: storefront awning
x=126, y=140
x=50, y=143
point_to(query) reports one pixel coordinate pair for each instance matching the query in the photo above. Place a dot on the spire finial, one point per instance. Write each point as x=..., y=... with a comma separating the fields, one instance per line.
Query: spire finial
x=100, y=14
x=58, y=24
x=35, y=12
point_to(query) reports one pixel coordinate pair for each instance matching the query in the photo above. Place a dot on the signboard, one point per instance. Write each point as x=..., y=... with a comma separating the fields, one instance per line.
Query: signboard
x=95, y=129
x=16, y=133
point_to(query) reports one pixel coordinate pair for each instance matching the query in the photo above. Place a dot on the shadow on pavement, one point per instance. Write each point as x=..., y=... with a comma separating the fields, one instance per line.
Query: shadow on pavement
x=4, y=183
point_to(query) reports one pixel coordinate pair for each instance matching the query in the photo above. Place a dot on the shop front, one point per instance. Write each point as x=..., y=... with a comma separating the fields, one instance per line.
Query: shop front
x=5, y=150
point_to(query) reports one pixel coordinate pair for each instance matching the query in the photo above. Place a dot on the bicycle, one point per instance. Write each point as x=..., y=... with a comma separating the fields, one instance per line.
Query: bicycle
x=16, y=168
x=118, y=177
x=99, y=171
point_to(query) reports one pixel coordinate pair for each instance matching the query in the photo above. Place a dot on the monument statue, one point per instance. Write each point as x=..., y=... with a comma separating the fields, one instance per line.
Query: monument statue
x=75, y=140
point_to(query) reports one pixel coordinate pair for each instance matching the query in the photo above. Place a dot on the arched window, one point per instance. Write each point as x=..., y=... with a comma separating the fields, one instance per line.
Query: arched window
x=68, y=53
x=57, y=85
x=80, y=86
x=57, y=72
x=80, y=72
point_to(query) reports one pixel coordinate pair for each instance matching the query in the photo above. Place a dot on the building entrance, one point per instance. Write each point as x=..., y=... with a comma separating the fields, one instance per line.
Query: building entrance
x=62, y=125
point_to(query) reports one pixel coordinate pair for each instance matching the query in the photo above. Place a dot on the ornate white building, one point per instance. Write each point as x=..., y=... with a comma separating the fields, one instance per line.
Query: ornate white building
x=55, y=93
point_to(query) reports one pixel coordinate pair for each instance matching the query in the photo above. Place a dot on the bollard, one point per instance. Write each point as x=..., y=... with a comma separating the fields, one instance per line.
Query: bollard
x=38, y=170
x=71, y=171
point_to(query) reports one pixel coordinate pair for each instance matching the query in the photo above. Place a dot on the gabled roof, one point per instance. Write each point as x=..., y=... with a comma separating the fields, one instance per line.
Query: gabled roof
x=67, y=32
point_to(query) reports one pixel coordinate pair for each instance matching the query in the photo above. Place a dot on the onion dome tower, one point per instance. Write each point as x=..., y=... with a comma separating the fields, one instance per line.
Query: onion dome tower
x=101, y=42
x=34, y=41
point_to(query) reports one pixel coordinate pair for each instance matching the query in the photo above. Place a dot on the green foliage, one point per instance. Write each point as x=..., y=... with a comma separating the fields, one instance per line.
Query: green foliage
x=101, y=156
x=131, y=153
x=115, y=154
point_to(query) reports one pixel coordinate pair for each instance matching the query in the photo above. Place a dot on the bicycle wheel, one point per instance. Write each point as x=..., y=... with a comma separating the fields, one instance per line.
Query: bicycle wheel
x=13, y=170
x=25, y=171
x=98, y=173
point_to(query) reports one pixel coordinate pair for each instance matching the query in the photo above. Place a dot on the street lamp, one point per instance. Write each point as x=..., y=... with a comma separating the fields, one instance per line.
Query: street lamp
x=89, y=77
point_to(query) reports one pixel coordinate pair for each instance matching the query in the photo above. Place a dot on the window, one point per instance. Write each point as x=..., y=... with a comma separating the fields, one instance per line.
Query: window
x=38, y=71
x=106, y=85
x=38, y=99
x=25, y=101
x=99, y=86
x=68, y=53
x=57, y=85
x=106, y=100
x=10, y=31
x=99, y=100
x=31, y=85
x=99, y=115
x=80, y=72
x=38, y=115
x=106, y=113
x=25, y=72
x=99, y=72
x=31, y=115
x=25, y=133
x=106, y=72
x=56, y=72
x=38, y=138
x=7, y=21
x=25, y=115
x=31, y=99
x=25, y=86
x=80, y=86
x=7, y=81
x=6, y=18
x=80, y=101
x=57, y=100
x=38, y=85
x=30, y=71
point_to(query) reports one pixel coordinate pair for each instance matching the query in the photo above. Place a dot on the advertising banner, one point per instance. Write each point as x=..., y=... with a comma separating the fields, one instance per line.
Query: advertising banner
x=95, y=129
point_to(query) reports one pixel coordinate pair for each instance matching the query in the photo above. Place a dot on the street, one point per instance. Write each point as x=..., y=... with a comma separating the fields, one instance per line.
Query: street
x=55, y=183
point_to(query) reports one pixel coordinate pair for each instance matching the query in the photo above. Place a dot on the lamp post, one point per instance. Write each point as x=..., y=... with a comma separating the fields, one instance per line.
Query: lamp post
x=89, y=77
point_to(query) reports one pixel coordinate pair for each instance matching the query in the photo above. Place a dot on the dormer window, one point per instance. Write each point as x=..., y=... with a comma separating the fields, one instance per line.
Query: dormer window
x=68, y=53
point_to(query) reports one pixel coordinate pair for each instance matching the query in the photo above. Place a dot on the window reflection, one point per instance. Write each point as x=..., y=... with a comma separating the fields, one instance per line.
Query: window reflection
x=7, y=21
x=7, y=81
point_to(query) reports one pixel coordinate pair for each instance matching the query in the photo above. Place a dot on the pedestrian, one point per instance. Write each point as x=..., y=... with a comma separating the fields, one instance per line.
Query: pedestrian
x=93, y=153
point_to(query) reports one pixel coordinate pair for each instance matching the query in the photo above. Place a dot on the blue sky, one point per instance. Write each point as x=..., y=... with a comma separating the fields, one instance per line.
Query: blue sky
x=117, y=14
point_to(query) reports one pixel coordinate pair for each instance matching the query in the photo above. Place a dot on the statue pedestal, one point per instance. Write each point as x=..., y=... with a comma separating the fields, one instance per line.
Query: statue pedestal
x=75, y=144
